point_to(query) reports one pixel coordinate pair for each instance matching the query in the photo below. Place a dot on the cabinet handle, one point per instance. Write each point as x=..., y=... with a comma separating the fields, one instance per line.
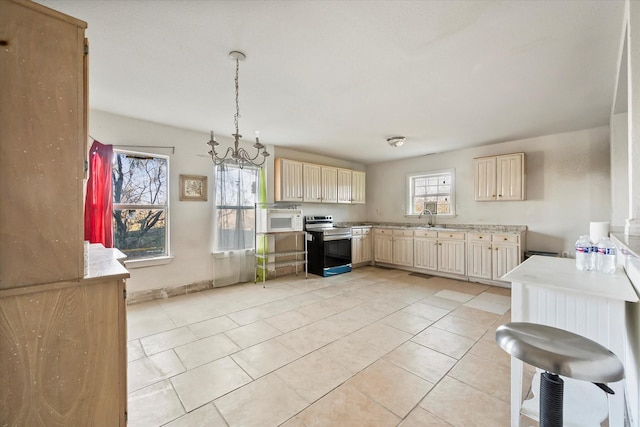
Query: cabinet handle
x=495, y=249
x=506, y=238
x=480, y=237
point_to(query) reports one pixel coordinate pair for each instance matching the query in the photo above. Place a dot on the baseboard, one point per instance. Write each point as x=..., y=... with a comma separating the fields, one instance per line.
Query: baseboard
x=137, y=297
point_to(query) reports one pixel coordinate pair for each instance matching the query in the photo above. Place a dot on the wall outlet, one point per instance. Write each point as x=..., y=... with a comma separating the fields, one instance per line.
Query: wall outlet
x=565, y=254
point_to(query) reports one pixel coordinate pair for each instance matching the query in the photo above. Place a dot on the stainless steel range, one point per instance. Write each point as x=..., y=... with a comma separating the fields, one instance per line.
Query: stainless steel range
x=328, y=247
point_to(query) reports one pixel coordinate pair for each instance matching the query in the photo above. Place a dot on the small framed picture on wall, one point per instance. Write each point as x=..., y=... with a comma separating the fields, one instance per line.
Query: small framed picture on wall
x=193, y=188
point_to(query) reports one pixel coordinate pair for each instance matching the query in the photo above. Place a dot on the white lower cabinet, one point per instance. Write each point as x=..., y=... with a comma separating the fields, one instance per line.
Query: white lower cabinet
x=492, y=255
x=403, y=247
x=360, y=245
x=451, y=253
x=383, y=245
x=425, y=250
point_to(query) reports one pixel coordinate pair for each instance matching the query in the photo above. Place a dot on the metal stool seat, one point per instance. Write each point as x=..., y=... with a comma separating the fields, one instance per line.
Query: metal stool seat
x=558, y=352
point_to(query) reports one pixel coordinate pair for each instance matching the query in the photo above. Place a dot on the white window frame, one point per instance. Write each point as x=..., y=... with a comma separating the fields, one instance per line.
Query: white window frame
x=409, y=212
x=166, y=257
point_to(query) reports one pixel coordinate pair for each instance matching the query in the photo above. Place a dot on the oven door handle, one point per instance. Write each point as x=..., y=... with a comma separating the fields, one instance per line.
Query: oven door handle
x=336, y=237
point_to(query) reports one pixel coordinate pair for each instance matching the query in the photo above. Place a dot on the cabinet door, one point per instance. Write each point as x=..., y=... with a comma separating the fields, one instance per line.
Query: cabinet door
x=425, y=253
x=479, y=259
x=65, y=357
x=403, y=251
x=329, y=178
x=505, y=259
x=42, y=145
x=366, y=248
x=358, y=187
x=356, y=249
x=344, y=186
x=312, y=182
x=288, y=180
x=485, y=178
x=451, y=257
x=510, y=177
x=383, y=245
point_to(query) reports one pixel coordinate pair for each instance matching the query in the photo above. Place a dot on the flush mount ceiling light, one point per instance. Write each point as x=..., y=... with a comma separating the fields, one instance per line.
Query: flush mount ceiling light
x=237, y=154
x=396, y=141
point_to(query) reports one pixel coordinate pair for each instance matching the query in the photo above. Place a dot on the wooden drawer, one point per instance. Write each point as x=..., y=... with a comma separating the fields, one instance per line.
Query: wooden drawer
x=356, y=231
x=479, y=237
x=425, y=233
x=382, y=231
x=506, y=238
x=405, y=233
x=453, y=235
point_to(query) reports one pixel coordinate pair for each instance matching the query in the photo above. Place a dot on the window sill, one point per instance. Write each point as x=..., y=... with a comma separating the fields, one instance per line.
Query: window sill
x=229, y=254
x=148, y=262
x=427, y=216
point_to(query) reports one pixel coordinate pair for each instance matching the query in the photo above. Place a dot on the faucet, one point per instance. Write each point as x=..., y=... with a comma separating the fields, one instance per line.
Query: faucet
x=430, y=216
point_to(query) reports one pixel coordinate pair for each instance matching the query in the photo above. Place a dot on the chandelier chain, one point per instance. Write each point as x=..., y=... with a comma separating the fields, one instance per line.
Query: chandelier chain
x=237, y=115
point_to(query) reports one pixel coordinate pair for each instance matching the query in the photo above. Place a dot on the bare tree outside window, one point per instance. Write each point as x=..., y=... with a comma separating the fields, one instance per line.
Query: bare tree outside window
x=140, y=204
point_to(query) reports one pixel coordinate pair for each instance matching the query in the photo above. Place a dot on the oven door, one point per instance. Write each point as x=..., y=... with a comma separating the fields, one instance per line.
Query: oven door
x=337, y=254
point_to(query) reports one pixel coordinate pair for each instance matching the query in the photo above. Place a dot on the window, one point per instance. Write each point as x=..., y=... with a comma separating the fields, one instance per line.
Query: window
x=431, y=189
x=236, y=190
x=140, y=204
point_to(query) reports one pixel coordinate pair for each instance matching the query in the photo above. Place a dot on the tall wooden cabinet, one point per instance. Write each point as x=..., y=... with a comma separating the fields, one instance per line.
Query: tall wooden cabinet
x=62, y=333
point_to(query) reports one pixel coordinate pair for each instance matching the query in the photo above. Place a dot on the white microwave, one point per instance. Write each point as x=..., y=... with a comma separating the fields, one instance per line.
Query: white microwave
x=278, y=220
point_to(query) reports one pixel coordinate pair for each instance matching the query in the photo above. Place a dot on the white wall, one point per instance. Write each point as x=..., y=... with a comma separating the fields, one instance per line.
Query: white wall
x=567, y=186
x=190, y=222
x=619, y=170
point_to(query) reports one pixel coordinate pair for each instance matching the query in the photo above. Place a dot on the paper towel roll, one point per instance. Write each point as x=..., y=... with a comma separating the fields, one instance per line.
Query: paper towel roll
x=597, y=230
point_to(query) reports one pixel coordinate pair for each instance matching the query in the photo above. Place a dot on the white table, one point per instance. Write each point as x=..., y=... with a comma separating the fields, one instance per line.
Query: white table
x=551, y=291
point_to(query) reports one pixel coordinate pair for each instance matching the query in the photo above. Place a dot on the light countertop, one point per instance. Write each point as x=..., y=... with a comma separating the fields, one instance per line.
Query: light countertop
x=562, y=274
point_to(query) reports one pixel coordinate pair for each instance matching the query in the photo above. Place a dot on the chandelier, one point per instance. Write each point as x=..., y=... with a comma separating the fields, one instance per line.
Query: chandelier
x=237, y=153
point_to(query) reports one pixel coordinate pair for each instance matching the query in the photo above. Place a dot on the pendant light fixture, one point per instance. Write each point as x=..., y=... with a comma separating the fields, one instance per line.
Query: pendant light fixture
x=237, y=153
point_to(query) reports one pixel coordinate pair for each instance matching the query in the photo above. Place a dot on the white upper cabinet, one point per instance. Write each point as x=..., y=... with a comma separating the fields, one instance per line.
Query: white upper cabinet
x=329, y=190
x=307, y=182
x=312, y=182
x=499, y=178
x=358, y=181
x=344, y=185
x=288, y=181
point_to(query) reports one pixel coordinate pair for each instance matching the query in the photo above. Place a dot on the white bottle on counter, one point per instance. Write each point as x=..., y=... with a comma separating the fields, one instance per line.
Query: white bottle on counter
x=606, y=256
x=584, y=257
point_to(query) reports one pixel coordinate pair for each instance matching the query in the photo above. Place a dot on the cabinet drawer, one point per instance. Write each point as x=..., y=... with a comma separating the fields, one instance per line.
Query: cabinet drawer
x=356, y=231
x=425, y=233
x=382, y=231
x=405, y=233
x=453, y=235
x=479, y=237
x=505, y=238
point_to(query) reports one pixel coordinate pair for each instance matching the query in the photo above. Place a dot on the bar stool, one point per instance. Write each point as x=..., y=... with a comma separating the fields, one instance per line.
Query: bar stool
x=558, y=352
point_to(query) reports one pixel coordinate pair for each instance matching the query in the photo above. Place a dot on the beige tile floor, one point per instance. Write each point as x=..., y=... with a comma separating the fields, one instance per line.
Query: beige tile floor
x=373, y=347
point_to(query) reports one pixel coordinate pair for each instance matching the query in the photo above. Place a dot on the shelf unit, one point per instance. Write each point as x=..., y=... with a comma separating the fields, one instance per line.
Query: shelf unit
x=296, y=257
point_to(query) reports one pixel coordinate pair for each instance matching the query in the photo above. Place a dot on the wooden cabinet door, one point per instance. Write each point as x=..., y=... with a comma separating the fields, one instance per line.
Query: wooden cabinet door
x=403, y=251
x=505, y=259
x=425, y=253
x=43, y=134
x=356, y=249
x=288, y=181
x=65, y=358
x=358, y=187
x=451, y=257
x=479, y=259
x=383, y=247
x=485, y=178
x=329, y=179
x=312, y=182
x=510, y=177
x=366, y=247
x=344, y=186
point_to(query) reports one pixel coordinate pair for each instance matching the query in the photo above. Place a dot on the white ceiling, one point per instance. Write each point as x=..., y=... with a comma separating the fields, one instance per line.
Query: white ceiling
x=337, y=78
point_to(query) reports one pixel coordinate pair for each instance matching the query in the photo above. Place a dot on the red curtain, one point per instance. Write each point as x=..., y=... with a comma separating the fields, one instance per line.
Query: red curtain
x=98, y=206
